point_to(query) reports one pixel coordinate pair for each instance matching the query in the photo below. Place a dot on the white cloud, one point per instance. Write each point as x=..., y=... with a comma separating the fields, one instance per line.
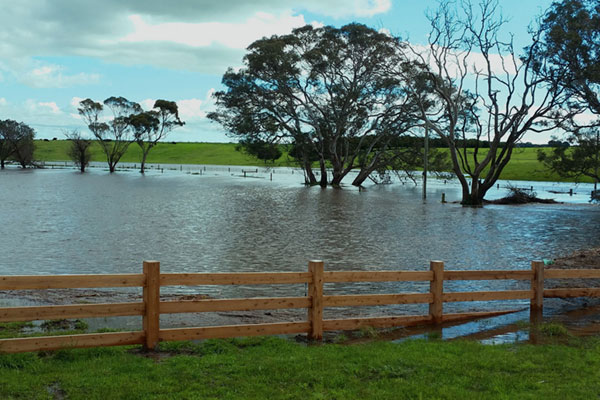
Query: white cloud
x=147, y=104
x=41, y=108
x=370, y=8
x=232, y=35
x=3, y=102
x=51, y=105
x=75, y=101
x=52, y=76
x=190, y=108
x=586, y=118
x=196, y=35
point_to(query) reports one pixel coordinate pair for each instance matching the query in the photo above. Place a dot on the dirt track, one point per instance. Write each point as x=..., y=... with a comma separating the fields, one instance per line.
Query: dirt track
x=580, y=259
x=589, y=259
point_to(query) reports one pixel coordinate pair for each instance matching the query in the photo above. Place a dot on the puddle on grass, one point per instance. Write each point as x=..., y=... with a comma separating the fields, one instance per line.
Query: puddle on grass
x=509, y=328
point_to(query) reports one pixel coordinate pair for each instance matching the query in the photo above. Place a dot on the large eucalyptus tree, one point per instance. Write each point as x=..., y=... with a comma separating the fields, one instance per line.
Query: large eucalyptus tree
x=332, y=92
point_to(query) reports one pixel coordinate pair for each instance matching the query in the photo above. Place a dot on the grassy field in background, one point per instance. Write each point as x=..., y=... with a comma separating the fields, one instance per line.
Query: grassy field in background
x=523, y=165
x=273, y=368
x=163, y=153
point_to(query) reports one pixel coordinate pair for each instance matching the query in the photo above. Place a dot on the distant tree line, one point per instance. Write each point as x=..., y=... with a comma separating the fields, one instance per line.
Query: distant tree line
x=127, y=124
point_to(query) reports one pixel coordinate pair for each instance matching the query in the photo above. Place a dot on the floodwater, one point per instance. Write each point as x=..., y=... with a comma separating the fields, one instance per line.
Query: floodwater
x=58, y=221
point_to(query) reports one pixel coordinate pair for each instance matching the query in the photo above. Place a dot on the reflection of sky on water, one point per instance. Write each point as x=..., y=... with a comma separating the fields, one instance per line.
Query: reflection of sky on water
x=59, y=221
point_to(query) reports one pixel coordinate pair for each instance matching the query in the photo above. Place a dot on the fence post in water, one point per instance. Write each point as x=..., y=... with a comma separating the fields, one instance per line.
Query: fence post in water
x=537, y=287
x=315, y=292
x=443, y=197
x=151, y=296
x=436, y=288
x=570, y=192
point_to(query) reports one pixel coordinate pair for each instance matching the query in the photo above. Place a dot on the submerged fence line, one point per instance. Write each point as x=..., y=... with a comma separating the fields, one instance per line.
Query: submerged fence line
x=151, y=280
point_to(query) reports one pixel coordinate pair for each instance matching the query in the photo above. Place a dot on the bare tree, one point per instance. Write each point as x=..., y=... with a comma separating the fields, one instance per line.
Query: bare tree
x=116, y=135
x=79, y=149
x=477, y=87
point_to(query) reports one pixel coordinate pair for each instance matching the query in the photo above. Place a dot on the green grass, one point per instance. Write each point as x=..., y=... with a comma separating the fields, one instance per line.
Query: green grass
x=523, y=165
x=278, y=369
x=163, y=153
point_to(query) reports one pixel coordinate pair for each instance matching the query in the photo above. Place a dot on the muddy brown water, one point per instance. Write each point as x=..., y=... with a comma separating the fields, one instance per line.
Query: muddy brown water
x=62, y=222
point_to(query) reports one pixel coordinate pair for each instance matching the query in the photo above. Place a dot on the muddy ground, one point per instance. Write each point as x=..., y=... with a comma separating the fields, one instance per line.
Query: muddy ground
x=589, y=258
x=580, y=259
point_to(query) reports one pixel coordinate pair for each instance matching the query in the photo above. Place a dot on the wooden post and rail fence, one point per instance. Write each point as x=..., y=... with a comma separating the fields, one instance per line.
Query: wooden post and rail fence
x=151, y=306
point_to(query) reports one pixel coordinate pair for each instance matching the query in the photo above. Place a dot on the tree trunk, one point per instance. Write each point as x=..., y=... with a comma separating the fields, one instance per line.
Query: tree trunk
x=361, y=177
x=144, y=155
x=337, y=174
x=323, y=182
x=309, y=176
x=336, y=180
x=2, y=164
x=82, y=166
x=474, y=197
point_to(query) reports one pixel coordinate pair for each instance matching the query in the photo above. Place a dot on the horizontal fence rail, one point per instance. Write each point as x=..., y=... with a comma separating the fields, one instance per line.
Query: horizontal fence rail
x=150, y=309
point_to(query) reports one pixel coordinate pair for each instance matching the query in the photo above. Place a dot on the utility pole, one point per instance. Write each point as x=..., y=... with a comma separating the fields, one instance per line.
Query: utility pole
x=425, y=161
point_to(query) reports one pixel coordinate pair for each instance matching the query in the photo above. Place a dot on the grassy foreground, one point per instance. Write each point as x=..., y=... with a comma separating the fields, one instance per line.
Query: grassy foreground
x=523, y=165
x=273, y=368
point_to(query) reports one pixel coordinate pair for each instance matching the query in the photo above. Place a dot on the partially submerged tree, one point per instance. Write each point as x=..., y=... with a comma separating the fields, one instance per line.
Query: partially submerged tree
x=570, y=46
x=6, y=148
x=116, y=135
x=150, y=127
x=471, y=84
x=16, y=142
x=331, y=92
x=401, y=161
x=79, y=149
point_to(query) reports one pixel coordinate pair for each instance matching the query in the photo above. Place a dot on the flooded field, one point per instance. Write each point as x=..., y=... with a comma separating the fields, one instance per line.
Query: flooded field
x=57, y=221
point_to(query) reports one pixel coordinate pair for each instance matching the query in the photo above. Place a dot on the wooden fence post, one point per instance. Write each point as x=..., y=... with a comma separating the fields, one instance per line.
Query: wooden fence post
x=315, y=292
x=151, y=302
x=537, y=286
x=436, y=288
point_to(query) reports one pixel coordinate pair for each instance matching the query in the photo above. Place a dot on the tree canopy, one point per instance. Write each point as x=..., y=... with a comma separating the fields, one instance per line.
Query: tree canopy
x=331, y=92
x=571, y=46
x=149, y=127
x=16, y=142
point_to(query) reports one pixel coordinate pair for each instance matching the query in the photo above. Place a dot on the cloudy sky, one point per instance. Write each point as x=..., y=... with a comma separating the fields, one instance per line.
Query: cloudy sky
x=54, y=53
